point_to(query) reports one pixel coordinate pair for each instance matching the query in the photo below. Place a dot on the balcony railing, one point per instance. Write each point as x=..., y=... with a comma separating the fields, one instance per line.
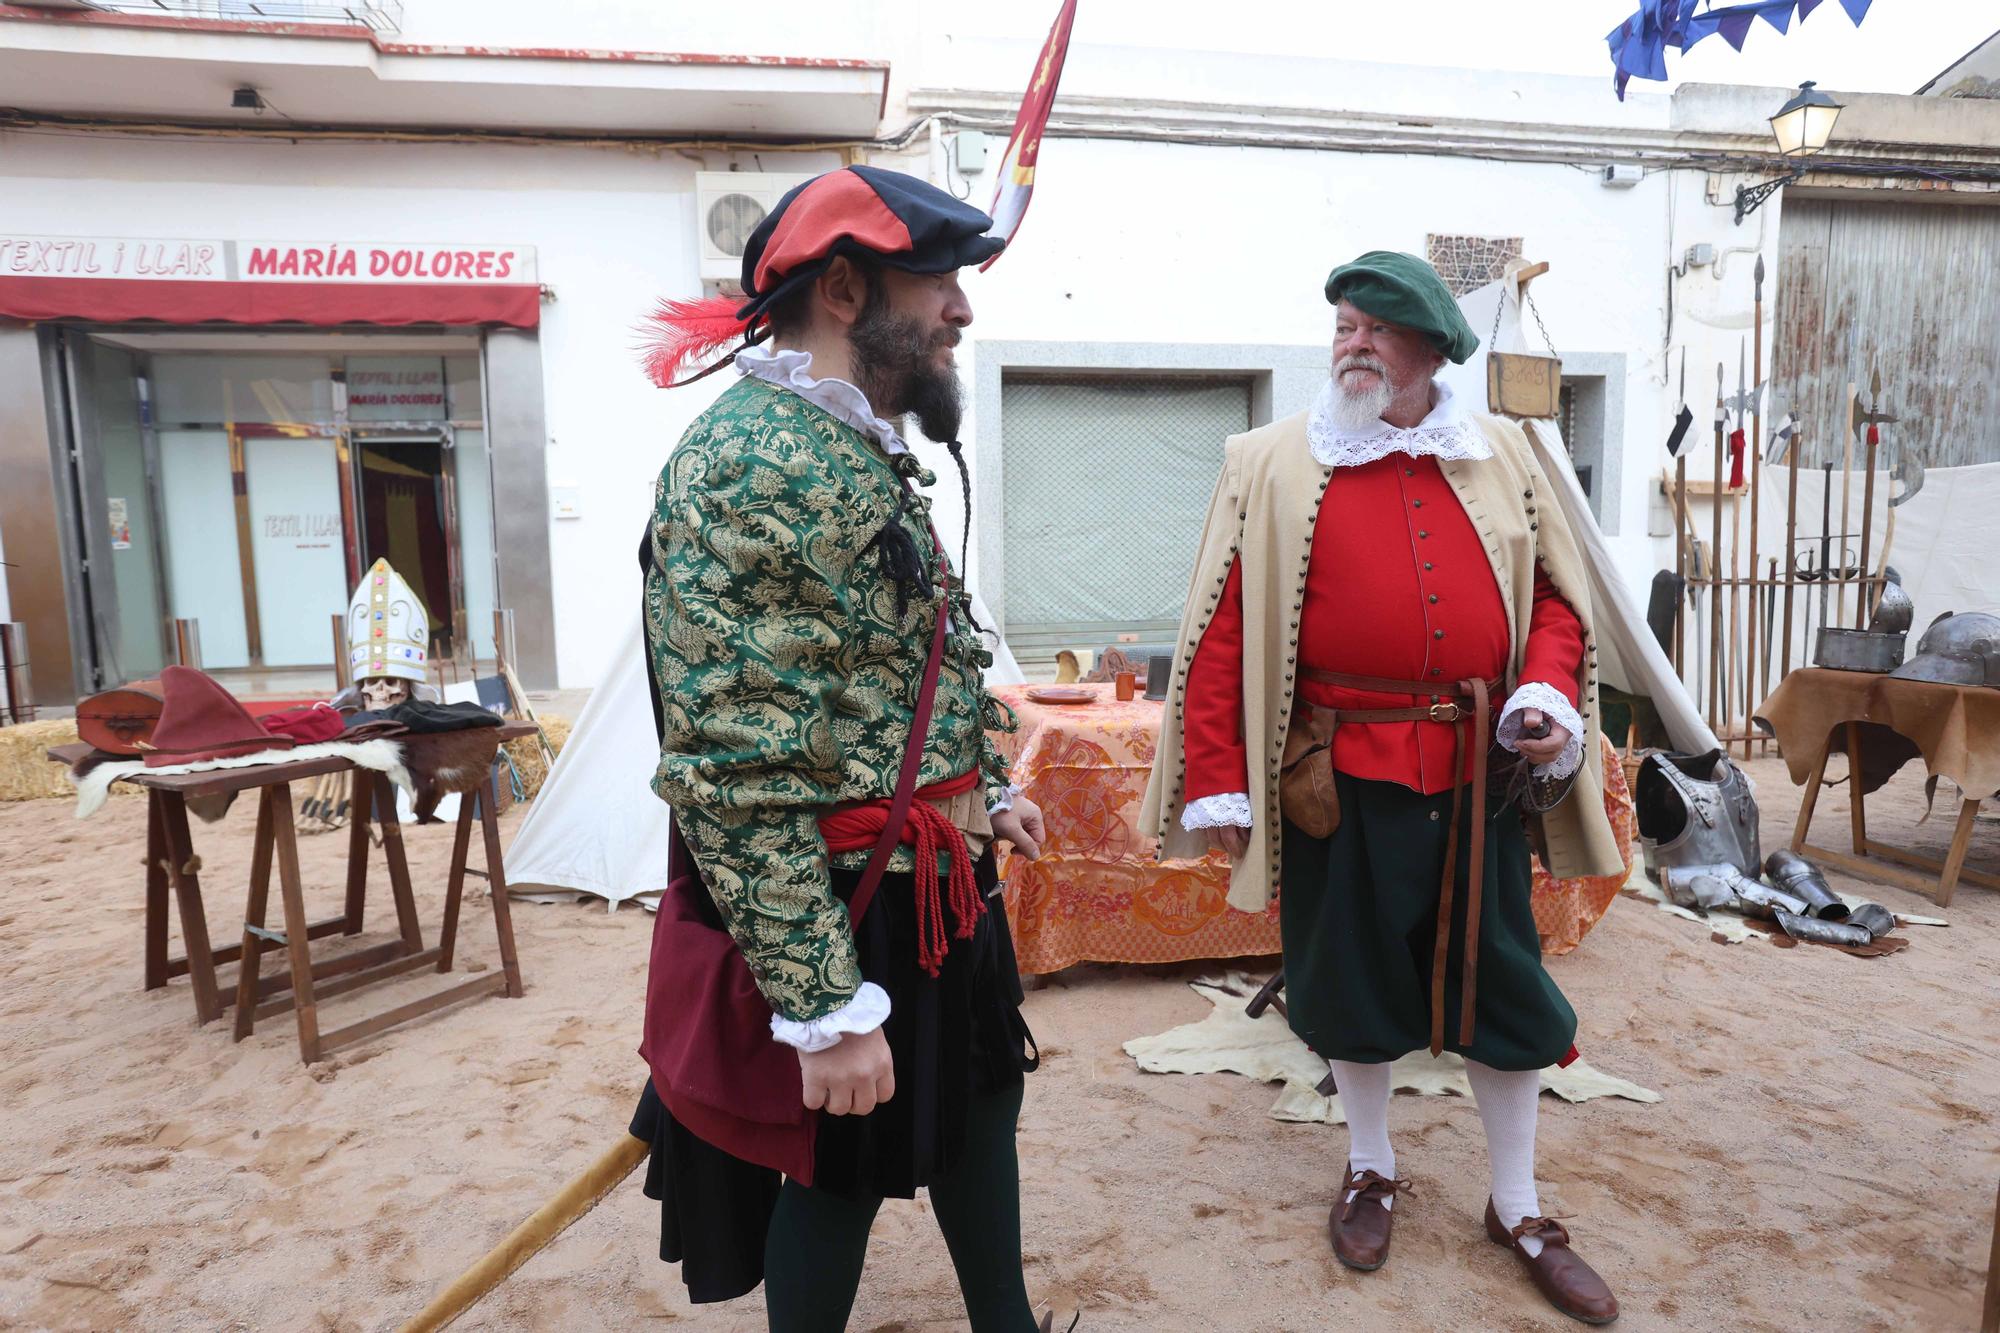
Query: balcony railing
x=380, y=16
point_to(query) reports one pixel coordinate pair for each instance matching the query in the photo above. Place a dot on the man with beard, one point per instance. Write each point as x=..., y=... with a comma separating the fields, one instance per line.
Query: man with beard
x=797, y=601
x=1380, y=579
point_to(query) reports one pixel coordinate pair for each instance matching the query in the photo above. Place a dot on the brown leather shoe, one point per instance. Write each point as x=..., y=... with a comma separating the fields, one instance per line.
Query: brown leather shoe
x=1566, y=1281
x=1359, y=1227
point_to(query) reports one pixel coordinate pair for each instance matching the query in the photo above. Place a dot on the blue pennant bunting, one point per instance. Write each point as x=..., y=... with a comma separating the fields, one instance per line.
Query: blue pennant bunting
x=1639, y=44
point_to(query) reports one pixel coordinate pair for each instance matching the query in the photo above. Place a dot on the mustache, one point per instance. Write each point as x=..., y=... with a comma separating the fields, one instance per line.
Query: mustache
x=1360, y=361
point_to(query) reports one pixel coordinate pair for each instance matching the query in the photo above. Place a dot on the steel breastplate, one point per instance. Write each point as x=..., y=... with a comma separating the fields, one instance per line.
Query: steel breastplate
x=1685, y=820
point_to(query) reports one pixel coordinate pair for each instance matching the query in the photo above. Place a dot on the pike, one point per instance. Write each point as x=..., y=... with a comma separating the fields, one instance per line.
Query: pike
x=1682, y=420
x=1715, y=723
x=1869, y=418
x=1846, y=498
x=1785, y=449
x=1909, y=473
x=1825, y=541
x=1750, y=674
x=1741, y=404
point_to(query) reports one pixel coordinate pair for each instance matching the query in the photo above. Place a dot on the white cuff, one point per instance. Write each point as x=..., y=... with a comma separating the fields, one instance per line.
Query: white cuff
x=1005, y=801
x=1231, y=809
x=1535, y=694
x=868, y=1010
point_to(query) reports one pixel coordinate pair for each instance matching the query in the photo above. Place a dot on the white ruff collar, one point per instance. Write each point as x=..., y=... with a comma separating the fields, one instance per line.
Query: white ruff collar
x=790, y=369
x=1447, y=433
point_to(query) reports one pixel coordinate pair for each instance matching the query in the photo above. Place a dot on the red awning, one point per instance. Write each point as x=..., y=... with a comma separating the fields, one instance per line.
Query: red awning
x=516, y=305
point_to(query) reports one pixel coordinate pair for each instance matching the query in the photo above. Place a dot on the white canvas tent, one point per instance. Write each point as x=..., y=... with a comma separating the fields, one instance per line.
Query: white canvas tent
x=596, y=828
x=1628, y=656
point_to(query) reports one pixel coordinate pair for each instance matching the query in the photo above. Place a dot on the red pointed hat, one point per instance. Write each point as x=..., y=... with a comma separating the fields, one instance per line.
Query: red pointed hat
x=200, y=720
x=886, y=217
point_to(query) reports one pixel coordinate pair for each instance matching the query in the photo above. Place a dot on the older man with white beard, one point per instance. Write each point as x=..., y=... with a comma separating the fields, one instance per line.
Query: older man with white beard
x=1381, y=594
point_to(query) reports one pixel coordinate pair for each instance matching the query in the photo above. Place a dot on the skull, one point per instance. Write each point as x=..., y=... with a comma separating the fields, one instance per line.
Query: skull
x=384, y=692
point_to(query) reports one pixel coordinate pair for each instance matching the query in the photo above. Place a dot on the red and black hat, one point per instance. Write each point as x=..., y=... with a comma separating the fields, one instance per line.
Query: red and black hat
x=886, y=217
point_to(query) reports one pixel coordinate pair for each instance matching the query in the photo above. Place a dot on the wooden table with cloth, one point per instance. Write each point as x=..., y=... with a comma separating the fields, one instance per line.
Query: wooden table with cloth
x=1955, y=729
x=1098, y=895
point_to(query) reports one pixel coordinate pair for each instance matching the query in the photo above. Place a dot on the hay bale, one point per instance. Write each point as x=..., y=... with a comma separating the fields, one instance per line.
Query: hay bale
x=25, y=771
x=527, y=753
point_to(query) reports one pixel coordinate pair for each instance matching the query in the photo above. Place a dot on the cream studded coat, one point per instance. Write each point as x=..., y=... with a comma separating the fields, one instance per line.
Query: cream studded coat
x=1262, y=514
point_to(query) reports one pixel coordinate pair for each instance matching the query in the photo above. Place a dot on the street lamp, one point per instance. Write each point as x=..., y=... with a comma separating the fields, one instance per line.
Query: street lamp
x=1802, y=127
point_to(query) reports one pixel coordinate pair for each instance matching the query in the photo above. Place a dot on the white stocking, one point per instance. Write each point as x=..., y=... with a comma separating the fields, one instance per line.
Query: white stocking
x=1364, y=1096
x=1507, y=1105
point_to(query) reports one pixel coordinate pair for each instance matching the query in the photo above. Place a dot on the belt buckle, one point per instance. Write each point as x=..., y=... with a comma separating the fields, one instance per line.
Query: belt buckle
x=1448, y=711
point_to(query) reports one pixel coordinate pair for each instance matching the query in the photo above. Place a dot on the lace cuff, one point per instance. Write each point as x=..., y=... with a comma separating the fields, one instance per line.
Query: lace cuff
x=1004, y=801
x=1535, y=694
x=868, y=1010
x=1228, y=810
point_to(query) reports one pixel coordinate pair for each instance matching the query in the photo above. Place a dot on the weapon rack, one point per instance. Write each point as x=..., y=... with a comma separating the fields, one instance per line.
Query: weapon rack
x=1748, y=611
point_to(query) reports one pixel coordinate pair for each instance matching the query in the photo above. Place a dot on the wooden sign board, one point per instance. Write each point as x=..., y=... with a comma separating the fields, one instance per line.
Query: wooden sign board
x=1523, y=386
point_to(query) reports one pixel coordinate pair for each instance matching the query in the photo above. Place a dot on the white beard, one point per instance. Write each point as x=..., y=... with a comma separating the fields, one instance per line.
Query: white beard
x=1359, y=409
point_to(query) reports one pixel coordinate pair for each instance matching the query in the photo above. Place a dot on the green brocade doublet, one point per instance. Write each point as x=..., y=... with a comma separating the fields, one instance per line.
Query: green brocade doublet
x=789, y=665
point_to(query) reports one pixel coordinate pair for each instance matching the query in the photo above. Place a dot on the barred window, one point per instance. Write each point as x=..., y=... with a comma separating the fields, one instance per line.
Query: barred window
x=1106, y=481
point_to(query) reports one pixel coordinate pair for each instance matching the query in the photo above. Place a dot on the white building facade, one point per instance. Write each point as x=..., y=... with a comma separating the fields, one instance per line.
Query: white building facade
x=231, y=445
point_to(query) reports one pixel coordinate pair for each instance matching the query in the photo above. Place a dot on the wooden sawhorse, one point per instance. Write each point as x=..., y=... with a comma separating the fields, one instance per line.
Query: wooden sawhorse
x=308, y=982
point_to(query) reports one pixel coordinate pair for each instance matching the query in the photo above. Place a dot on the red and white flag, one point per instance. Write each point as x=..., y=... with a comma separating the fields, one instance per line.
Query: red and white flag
x=1016, y=181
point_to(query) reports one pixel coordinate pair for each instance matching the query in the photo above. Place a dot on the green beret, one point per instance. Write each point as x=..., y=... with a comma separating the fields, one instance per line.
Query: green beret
x=1404, y=290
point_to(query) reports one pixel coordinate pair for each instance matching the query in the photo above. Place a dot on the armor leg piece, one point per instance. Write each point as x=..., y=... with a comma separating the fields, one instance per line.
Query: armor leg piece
x=1802, y=879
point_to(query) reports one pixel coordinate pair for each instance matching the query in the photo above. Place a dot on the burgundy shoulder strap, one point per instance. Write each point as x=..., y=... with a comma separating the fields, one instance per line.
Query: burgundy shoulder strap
x=906, y=781
x=680, y=859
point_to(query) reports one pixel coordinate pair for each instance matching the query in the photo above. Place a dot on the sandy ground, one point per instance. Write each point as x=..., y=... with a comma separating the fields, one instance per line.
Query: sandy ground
x=1825, y=1157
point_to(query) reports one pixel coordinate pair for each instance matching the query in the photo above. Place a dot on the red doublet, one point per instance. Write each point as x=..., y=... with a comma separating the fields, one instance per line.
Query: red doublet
x=1398, y=587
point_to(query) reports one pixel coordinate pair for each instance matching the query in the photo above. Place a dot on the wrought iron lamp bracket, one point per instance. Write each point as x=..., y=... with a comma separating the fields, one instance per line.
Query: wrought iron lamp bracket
x=1750, y=197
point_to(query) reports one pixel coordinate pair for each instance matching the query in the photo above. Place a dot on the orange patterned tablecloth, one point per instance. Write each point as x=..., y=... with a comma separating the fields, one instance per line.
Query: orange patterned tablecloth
x=1097, y=894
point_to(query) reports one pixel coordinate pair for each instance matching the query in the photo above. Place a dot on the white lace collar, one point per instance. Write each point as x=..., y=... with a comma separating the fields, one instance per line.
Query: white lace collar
x=1448, y=433
x=792, y=369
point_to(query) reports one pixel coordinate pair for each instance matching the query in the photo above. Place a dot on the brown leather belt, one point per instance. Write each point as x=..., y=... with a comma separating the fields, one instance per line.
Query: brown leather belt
x=1465, y=701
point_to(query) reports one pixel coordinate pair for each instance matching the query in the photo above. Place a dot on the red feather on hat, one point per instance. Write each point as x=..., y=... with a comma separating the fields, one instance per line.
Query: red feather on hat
x=679, y=333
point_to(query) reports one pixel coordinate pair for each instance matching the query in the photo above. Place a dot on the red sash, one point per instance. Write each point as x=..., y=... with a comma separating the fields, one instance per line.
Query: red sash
x=854, y=828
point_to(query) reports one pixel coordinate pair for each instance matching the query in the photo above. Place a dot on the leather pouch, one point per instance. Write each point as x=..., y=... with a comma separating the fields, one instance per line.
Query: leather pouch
x=1306, y=792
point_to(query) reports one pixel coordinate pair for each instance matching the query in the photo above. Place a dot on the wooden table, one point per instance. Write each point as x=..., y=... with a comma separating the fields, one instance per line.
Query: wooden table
x=172, y=866
x=1955, y=729
x=1097, y=894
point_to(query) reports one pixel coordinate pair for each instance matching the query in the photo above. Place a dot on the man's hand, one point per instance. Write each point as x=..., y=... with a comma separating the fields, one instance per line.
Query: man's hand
x=1232, y=841
x=851, y=1077
x=1547, y=748
x=1021, y=826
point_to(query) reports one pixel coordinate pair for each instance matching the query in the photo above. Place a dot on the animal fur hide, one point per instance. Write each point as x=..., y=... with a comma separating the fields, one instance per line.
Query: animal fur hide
x=1229, y=1041
x=383, y=756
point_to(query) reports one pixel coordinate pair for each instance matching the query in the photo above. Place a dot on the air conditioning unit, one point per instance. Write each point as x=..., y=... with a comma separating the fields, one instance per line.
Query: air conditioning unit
x=728, y=206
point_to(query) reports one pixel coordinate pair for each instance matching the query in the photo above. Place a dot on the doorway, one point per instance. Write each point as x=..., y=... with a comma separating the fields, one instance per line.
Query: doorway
x=408, y=516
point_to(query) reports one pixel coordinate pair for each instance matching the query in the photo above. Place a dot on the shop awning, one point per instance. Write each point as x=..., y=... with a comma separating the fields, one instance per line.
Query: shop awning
x=198, y=281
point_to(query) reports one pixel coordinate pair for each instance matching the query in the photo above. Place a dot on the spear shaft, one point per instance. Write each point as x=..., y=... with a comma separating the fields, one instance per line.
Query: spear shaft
x=1683, y=536
x=1715, y=722
x=1846, y=498
x=1756, y=495
x=1792, y=458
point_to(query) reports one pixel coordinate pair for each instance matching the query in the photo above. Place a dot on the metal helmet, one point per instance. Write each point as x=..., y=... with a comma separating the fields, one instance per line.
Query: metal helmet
x=1895, y=612
x=1957, y=650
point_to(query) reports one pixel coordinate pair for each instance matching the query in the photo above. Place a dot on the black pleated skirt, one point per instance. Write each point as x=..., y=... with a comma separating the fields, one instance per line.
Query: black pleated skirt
x=953, y=1037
